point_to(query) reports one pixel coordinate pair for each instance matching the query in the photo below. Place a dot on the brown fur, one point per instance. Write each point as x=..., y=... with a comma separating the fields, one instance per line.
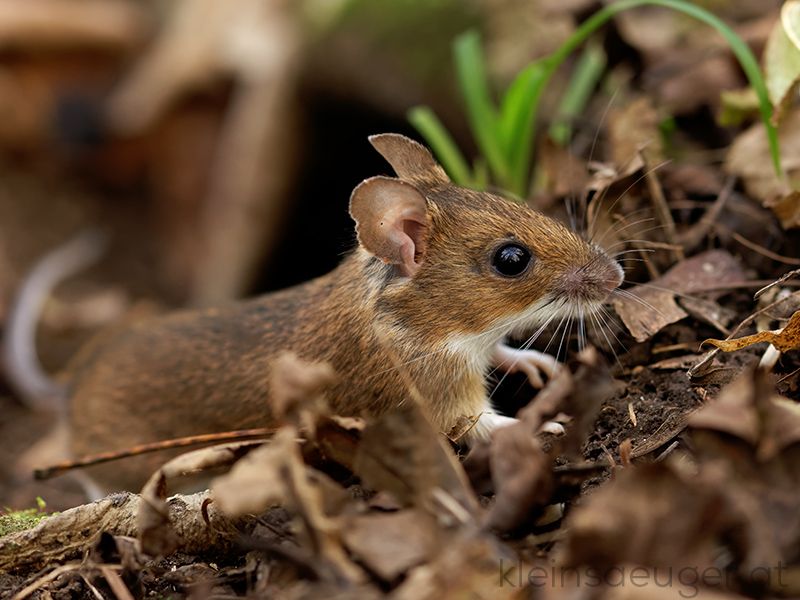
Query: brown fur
x=206, y=371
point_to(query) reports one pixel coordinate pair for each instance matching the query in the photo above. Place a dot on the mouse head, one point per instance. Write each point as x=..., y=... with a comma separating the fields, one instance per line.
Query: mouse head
x=465, y=263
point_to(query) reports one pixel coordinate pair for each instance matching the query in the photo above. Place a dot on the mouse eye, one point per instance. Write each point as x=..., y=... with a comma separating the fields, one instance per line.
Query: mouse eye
x=511, y=260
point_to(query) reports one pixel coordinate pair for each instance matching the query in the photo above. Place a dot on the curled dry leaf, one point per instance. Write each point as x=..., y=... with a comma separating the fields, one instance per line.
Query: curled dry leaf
x=275, y=473
x=749, y=159
x=389, y=544
x=521, y=470
x=297, y=385
x=651, y=515
x=522, y=477
x=749, y=409
x=402, y=453
x=656, y=306
x=761, y=475
x=785, y=339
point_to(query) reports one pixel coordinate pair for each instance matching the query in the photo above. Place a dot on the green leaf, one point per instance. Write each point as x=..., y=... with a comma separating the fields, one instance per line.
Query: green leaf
x=443, y=146
x=518, y=114
x=782, y=58
x=587, y=73
x=480, y=108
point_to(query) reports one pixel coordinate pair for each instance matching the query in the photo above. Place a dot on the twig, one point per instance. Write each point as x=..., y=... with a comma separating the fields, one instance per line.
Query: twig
x=757, y=247
x=193, y=440
x=783, y=278
x=662, y=209
x=695, y=234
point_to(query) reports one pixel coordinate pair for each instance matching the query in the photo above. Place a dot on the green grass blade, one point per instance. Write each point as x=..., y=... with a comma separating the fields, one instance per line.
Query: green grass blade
x=481, y=112
x=430, y=127
x=587, y=73
x=743, y=54
x=519, y=108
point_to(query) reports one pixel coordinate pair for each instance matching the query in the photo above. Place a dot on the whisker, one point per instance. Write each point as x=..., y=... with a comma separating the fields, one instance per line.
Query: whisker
x=631, y=296
x=603, y=312
x=630, y=187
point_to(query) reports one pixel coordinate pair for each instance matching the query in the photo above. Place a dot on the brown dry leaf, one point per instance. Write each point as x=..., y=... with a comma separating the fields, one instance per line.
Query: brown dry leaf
x=785, y=339
x=402, y=453
x=467, y=567
x=787, y=209
x=275, y=473
x=564, y=174
x=522, y=476
x=337, y=438
x=651, y=515
x=256, y=482
x=701, y=273
x=632, y=129
x=749, y=159
x=749, y=409
x=761, y=475
x=298, y=386
x=389, y=544
x=521, y=471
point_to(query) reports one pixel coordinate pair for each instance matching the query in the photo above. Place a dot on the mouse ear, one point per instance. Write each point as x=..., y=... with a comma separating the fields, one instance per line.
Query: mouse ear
x=409, y=159
x=391, y=221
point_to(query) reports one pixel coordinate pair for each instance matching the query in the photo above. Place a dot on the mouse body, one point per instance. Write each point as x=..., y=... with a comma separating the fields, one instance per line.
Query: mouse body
x=440, y=277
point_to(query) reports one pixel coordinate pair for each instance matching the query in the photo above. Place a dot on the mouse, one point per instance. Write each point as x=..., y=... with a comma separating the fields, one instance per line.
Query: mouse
x=440, y=277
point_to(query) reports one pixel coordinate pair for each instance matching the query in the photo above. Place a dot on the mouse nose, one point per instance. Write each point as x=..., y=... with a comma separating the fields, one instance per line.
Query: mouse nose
x=594, y=280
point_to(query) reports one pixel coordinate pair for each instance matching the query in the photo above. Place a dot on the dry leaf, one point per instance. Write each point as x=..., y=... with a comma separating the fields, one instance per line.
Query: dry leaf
x=275, y=473
x=749, y=409
x=402, y=453
x=297, y=385
x=784, y=339
x=522, y=476
x=701, y=273
x=749, y=158
x=634, y=128
x=762, y=475
x=389, y=544
x=651, y=515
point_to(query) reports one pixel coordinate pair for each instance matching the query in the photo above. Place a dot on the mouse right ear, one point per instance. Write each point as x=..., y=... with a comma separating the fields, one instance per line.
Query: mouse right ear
x=409, y=159
x=391, y=221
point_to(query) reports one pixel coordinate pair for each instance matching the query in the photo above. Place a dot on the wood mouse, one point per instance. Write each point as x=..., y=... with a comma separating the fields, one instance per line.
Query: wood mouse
x=441, y=275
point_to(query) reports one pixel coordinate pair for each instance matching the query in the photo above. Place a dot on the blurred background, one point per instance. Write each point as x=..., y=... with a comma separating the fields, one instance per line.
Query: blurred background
x=218, y=141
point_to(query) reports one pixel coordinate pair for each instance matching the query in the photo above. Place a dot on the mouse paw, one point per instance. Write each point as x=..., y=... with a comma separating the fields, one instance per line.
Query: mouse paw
x=552, y=427
x=530, y=362
x=488, y=422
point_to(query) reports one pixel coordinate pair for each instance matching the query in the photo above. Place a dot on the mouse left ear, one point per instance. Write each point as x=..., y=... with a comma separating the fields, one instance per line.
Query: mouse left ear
x=391, y=221
x=409, y=159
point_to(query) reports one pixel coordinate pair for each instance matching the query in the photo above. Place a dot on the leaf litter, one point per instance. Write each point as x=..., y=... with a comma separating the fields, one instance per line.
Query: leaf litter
x=662, y=486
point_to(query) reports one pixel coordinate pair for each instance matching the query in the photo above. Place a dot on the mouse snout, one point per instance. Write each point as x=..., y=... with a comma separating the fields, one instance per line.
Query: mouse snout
x=593, y=281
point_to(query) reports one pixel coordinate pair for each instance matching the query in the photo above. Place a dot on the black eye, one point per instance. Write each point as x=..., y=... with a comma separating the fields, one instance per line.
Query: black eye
x=511, y=260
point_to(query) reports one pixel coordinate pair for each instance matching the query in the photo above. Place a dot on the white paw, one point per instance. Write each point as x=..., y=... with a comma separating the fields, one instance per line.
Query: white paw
x=552, y=427
x=530, y=362
x=488, y=422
